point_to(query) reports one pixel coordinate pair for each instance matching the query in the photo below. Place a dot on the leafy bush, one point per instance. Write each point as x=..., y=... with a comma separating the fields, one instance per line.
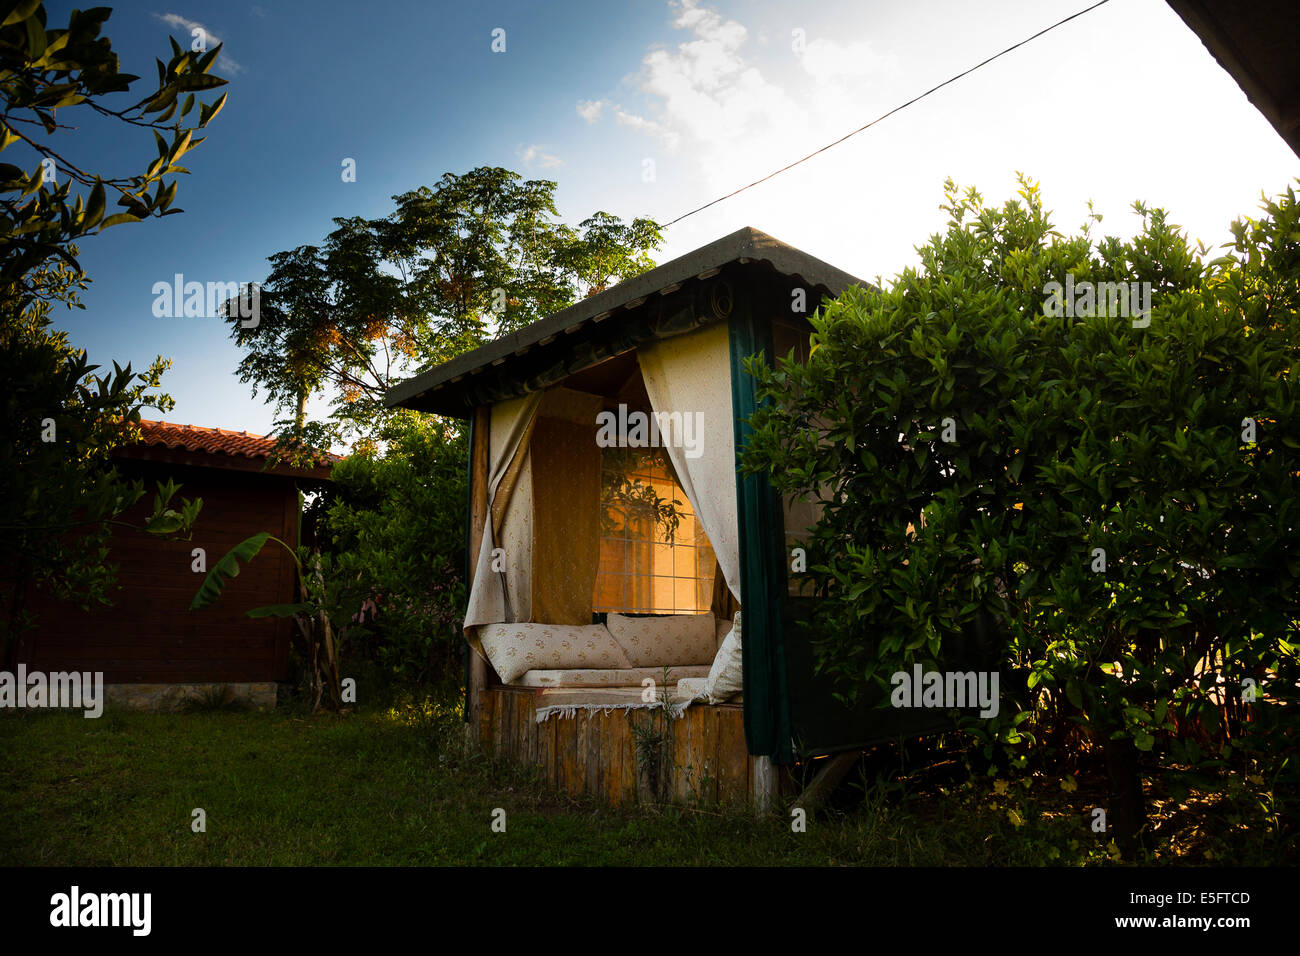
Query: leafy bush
x=59, y=493
x=1112, y=495
x=393, y=525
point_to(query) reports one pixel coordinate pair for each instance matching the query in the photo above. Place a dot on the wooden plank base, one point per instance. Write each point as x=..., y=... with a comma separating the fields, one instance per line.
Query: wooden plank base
x=624, y=758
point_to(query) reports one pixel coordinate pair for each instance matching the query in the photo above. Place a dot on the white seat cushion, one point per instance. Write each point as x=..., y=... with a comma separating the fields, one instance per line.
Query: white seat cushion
x=727, y=674
x=693, y=688
x=514, y=649
x=673, y=640
x=616, y=677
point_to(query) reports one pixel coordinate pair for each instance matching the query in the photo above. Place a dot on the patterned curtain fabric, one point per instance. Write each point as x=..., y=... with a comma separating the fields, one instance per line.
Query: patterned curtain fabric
x=690, y=374
x=495, y=596
x=544, y=485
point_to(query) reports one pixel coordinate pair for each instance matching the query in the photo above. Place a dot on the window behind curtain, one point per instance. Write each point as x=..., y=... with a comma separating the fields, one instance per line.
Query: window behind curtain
x=648, y=564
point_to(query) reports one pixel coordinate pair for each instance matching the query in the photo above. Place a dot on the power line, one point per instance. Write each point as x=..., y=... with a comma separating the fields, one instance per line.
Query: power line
x=884, y=116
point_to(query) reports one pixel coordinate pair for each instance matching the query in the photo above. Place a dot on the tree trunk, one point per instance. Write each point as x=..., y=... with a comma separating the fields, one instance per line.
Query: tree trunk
x=312, y=648
x=328, y=663
x=1128, y=812
x=300, y=415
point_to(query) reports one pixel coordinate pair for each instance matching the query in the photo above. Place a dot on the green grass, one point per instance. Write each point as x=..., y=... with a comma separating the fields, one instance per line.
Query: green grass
x=390, y=788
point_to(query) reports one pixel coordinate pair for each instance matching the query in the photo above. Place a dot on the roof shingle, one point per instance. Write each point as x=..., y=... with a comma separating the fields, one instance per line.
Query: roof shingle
x=220, y=441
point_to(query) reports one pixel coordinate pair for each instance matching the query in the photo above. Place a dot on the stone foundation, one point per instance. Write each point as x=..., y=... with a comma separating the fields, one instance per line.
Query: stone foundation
x=169, y=698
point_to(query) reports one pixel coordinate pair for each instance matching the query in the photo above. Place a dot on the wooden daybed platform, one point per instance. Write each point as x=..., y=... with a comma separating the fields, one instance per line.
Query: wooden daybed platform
x=596, y=753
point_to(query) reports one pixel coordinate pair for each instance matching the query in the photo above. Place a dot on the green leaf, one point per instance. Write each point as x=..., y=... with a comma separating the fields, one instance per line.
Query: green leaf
x=227, y=569
x=35, y=38
x=1074, y=693
x=182, y=144
x=23, y=10
x=198, y=81
x=117, y=219
x=168, y=522
x=280, y=610
x=95, y=206
x=208, y=113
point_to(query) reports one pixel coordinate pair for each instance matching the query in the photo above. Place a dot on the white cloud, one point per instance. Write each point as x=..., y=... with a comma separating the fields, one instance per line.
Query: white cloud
x=742, y=110
x=224, y=63
x=715, y=96
x=827, y=61
x=711, y=60
x=535, y=155
x=709, y=95
x=624, y=118
x=590, y=110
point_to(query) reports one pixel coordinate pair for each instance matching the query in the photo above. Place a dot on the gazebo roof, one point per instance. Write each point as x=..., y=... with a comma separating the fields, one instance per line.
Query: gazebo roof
x=449, y=388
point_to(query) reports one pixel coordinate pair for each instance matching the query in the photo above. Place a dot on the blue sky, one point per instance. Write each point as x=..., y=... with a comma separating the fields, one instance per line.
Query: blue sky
x=1121, y=104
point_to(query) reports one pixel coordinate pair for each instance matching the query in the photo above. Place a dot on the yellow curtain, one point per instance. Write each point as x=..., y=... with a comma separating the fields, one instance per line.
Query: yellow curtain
x=565, y=462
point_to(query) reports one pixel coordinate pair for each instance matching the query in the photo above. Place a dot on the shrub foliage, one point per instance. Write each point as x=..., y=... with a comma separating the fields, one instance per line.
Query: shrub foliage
x=1114, y=494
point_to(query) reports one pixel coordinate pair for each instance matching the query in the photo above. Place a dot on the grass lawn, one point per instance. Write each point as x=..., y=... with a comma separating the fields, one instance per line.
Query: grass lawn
x=381, y=788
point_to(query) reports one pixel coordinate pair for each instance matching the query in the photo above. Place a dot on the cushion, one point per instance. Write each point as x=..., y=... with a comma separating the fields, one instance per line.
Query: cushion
x=616, y=677
x=721, y=629
x=726, y=674
x=514, y=649
x=693, y=688
x=671, y=640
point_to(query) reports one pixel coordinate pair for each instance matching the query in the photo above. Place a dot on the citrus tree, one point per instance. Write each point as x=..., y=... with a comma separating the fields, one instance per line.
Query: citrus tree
x=1111, y=489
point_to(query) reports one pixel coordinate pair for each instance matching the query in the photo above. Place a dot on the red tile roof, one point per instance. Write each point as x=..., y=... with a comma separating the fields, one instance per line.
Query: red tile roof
x=221, y=441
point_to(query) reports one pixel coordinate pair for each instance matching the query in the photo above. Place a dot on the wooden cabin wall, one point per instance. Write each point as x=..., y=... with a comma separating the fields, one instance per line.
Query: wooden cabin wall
x=150, y=635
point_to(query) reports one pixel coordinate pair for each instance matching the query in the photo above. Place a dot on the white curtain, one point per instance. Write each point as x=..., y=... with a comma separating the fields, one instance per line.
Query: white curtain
x=691, y=375
x=498, y=596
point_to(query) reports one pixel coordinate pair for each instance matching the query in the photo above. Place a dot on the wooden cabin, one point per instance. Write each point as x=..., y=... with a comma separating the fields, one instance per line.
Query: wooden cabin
x=588, y=523
x=153, y=651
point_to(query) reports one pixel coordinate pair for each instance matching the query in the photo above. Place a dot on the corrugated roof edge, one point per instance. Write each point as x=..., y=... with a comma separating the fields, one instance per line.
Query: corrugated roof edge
x=746, y=243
